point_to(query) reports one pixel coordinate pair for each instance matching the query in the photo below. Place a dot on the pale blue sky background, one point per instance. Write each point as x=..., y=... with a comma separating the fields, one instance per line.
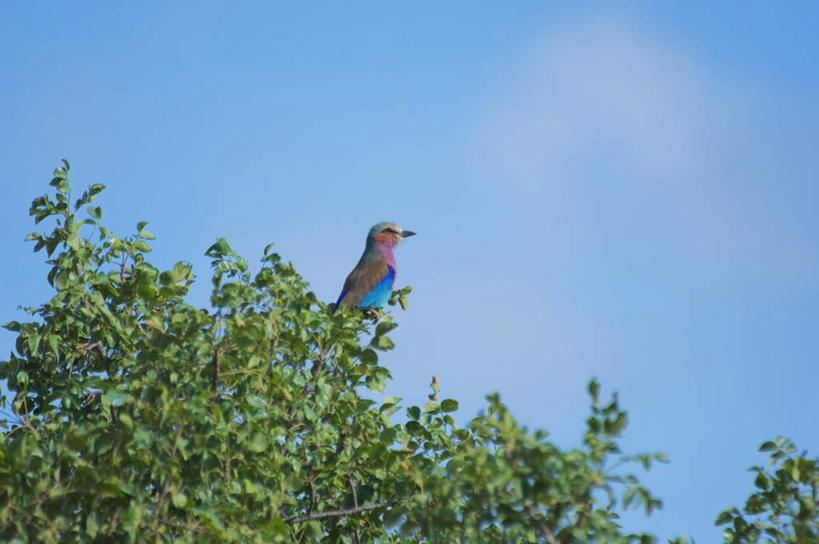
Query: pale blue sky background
x=627, y=192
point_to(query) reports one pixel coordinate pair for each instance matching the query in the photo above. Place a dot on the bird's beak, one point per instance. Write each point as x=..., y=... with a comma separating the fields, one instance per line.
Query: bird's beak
x=407, y=233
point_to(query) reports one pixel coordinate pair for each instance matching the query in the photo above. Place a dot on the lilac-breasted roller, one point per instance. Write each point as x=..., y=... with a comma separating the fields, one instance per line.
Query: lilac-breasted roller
x=370, y=283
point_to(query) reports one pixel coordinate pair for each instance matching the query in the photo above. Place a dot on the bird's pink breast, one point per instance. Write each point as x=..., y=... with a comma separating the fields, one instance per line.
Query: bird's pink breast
x=385, y=249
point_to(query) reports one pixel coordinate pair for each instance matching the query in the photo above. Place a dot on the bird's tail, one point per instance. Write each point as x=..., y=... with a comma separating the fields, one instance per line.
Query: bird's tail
x=338, y=303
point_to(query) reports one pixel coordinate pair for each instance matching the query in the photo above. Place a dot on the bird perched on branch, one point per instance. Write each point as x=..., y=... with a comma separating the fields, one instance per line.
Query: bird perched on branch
x=370, y=283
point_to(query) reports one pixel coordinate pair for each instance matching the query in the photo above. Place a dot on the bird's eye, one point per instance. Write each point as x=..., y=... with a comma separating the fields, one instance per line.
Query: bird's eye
x=391, y=230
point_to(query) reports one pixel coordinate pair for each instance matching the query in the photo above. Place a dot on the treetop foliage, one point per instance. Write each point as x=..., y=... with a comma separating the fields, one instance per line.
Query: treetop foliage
x=133, y=416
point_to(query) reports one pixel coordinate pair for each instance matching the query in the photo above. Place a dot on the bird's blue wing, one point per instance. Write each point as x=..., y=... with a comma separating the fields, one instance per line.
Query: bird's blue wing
x=371, y=279
x=379, y=296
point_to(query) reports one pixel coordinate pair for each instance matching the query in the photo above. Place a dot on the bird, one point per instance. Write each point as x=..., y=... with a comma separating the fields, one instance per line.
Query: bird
x=370, y=283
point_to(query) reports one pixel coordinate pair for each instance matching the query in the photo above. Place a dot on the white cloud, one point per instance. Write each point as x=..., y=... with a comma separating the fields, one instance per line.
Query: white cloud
x=607, y=85
x=606, y=102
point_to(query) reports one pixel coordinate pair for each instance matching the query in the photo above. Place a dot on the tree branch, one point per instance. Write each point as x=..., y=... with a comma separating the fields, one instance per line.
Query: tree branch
x=217, y=359
x=581, y=514
x=166, y=484
x=352, y=487
x=544, y=531
x=90, y=346
x=356, y=540
x=122, y=268
x=336, y=513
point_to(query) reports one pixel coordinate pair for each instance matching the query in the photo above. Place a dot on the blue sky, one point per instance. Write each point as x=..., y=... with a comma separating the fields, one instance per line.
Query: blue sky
x=625, y=192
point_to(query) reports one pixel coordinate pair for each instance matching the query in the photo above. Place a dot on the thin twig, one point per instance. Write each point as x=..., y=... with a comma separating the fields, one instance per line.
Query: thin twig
x=317, y=367
x=544, y=531
x=40, y=502
x=194, y=528
x=112, y=523
x=166, y=485
x=313, y=497
x=274, y=342
x=337, y=513
x=24, y=421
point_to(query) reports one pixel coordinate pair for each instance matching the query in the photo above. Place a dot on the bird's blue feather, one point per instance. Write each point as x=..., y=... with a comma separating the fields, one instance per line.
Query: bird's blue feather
x=379, y=296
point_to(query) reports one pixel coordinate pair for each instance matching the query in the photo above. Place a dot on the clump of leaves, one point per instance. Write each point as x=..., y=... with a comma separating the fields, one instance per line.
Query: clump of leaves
x=135, y=416
x=785, y=506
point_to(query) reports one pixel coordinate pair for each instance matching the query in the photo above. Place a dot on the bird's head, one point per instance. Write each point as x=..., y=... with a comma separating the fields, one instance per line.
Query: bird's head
x=388, y=234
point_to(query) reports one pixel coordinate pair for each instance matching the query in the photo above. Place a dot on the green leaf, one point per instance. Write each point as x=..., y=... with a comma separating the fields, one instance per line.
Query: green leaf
x=616, y=426
x=384, y=327
x=258, y=443
x=219, y=249
x=279, y=527
x=726, y=516
x=392, y=517
x=376, y=381
x=414, y=428
x=368, y=357
x=449, y=405
x=92, y=526
x=768, y=446
x=388, y=403
x=382, y=343
x=180, y=500
x=95, y=212
x=34, y=344
x=53, y=343
x=594, y=389
x=60, y=174
x=431, y=407
x=13, y=326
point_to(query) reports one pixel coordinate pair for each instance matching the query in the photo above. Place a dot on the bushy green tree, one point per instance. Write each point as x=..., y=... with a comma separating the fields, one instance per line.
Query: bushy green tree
x=133, y=416
x=139, y=417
